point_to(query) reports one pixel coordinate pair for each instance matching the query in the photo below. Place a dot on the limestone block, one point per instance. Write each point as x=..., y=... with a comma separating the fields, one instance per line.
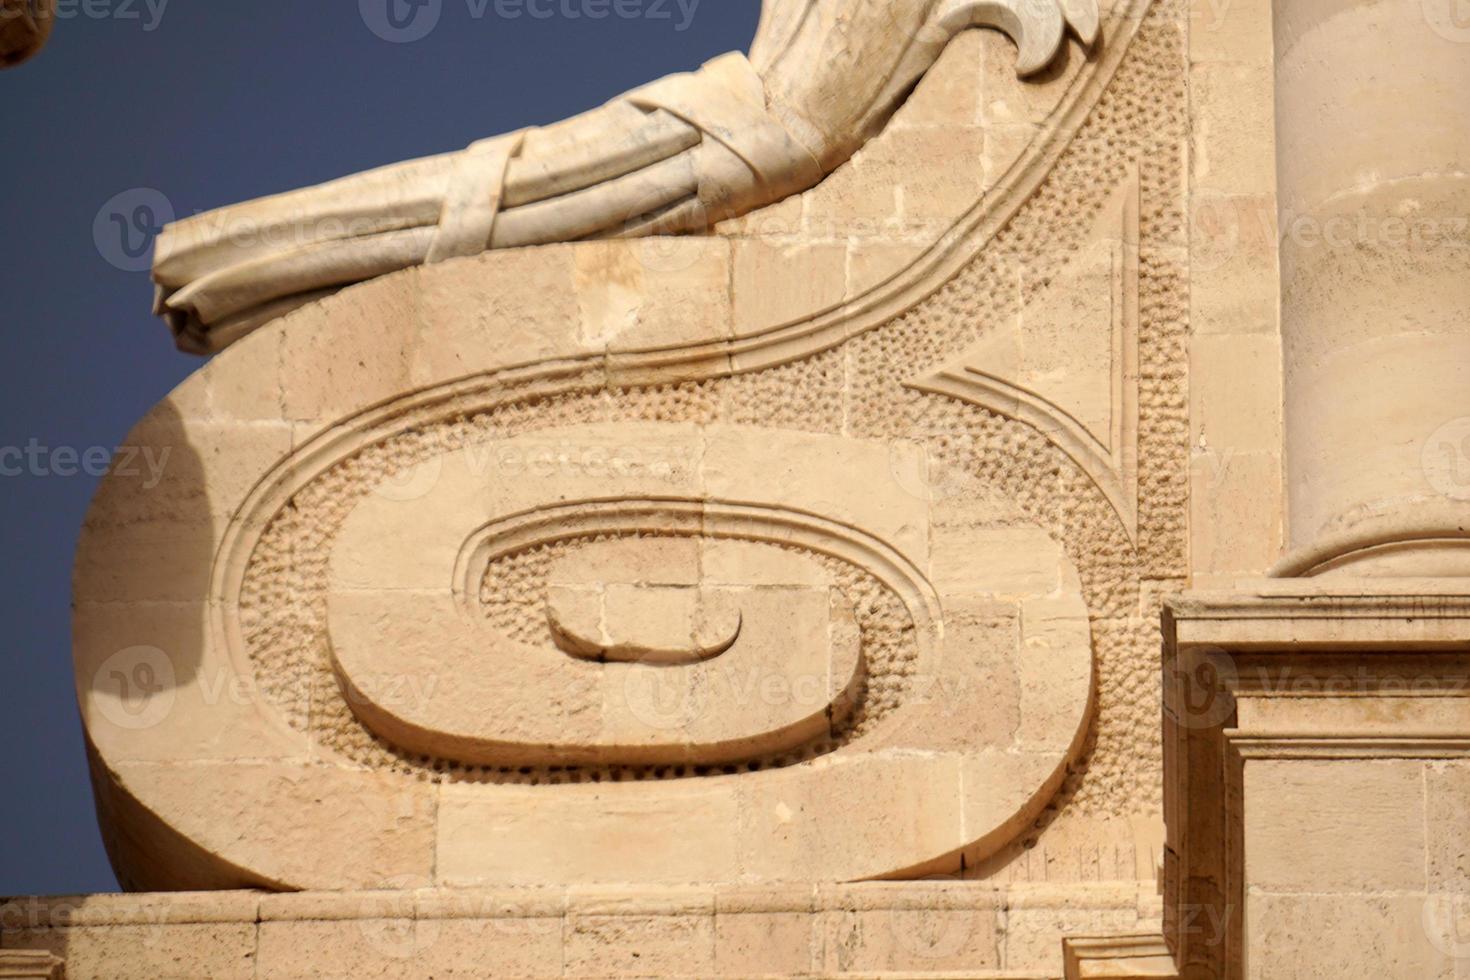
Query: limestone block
x=1037, y=921
x=601, y=832
x=784, y=833
x=382, y=827
x=1232, y=136
x=153, y=690
x=1006, y=100
x=368, y=359
x=1386, y=933
x=1236, y=394
x=927, y=927
x=655, y=294
x=1238, y=529
x=1232, y=32
x=872, y=264
x=776, y=283
x=950, y=93
x=933, y=927
x=1026, y=564
x=1447, y=801
x=1234, y=287
x=611, y=939
x=1301, y=845
x=180, y=951
x=767, y=931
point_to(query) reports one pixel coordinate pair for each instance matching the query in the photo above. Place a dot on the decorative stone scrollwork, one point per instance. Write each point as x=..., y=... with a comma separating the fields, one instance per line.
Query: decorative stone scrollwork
x=678, y=155
x=469, y=582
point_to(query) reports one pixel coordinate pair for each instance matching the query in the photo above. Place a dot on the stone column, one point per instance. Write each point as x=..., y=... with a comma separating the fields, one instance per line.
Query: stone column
x=1373, y=151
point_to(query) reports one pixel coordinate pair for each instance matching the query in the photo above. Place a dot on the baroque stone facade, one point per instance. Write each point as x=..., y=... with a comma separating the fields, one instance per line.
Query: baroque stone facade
x=787, y=598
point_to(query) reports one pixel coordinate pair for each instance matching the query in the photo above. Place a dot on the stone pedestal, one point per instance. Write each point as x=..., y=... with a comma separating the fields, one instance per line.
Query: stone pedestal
x=780, y=601
x=29, y=964
x=1317, y=777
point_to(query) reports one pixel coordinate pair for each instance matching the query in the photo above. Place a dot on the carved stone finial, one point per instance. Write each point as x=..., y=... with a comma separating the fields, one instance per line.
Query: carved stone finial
x=27, y=964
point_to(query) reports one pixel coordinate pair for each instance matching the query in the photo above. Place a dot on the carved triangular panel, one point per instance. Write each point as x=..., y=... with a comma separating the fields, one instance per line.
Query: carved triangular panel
x=1067, y=362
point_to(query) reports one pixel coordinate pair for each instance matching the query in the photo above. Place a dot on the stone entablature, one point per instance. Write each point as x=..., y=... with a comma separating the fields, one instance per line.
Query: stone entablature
x=1317, y=767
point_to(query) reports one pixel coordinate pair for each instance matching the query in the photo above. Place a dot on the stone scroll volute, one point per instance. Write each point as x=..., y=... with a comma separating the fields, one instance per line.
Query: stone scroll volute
x=654, y=561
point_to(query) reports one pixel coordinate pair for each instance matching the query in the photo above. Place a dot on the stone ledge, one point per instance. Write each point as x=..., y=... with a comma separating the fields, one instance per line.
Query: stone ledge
x=1140, y=957
x=931, y=930
x=1340, y=616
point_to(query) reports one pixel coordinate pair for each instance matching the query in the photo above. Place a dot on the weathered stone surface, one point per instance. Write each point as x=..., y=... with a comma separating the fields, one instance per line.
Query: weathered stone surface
x=933, y=928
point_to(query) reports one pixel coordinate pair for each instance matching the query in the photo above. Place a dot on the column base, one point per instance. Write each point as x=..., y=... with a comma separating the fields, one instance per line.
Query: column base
x=1317, y=779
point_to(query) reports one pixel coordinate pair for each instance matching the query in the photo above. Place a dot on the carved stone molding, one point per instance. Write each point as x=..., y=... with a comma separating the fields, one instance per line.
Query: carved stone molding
x=889, y=930
x=1140, y=957
x=24, y=964
x=1315, y=739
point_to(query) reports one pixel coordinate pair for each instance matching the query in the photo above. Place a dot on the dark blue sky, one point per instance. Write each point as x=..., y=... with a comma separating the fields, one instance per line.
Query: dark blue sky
x=212, y=102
